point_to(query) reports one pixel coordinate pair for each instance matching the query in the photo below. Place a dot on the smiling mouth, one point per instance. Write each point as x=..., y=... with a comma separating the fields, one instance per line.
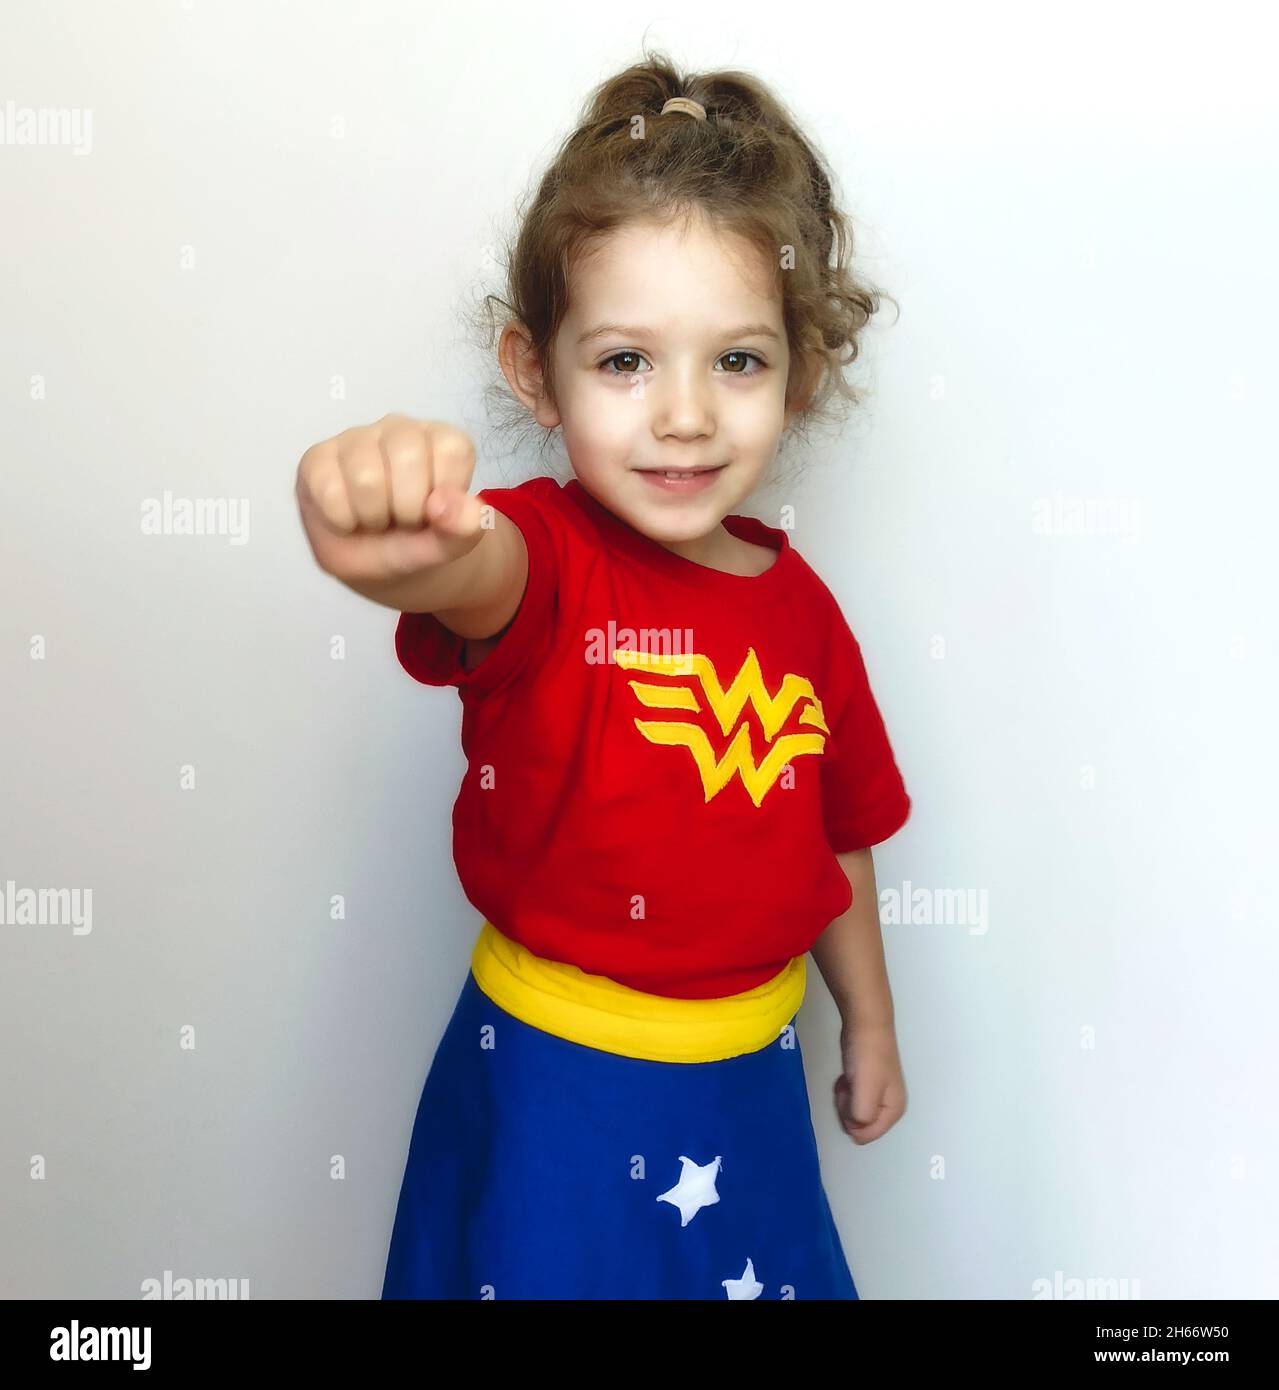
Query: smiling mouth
x=683, y=472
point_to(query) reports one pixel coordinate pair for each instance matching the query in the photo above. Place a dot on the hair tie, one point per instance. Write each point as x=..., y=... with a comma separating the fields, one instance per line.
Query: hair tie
x=687, y=104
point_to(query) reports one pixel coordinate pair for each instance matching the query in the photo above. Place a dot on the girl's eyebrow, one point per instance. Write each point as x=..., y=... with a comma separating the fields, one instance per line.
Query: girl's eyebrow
x=623, y=330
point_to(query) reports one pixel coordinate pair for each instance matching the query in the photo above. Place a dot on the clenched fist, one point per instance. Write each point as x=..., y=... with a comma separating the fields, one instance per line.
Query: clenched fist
x=389, y=501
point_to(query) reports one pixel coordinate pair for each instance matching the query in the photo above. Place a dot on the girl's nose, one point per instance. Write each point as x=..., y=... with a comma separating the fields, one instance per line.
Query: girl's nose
x=682, y=409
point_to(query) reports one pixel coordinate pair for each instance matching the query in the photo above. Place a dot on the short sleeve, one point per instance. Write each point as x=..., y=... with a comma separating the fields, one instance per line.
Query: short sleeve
x=432, y=653
x=864, y=799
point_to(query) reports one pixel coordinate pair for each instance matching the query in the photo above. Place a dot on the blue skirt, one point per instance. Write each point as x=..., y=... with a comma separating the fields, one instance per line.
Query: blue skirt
x=543, y=1168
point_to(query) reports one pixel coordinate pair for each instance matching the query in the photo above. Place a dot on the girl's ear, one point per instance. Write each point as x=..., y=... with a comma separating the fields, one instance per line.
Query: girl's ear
x=523, y=373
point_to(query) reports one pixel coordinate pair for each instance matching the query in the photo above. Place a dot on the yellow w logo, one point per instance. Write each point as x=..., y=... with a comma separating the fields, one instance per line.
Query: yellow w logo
x=726, y=706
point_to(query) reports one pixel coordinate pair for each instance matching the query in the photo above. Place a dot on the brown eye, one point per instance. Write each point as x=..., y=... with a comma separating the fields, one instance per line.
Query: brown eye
x=743, y=357
x=628, y=355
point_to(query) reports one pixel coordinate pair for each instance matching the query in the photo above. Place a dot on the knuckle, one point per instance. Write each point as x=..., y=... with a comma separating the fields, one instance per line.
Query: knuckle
x=449, y=442
x=367, y=479
x=404, y=447
x=331, y=495
x=362, y=465
x=312, y=461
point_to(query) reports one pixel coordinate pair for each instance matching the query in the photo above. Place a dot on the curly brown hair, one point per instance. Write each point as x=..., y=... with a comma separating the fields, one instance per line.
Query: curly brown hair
x=746, y=167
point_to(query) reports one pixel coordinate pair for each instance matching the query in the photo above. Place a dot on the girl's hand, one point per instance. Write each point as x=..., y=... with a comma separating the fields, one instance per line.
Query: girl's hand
x=870, y=1096
x=384, y=502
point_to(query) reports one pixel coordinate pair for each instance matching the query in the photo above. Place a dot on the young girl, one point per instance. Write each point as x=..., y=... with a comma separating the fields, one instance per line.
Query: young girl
x=676, y=767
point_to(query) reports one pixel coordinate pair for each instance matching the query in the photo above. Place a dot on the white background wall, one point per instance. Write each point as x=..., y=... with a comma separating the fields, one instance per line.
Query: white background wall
x=1077, y=211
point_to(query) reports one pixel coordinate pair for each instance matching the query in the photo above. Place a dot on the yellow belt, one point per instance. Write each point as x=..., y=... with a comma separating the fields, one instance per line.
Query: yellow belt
x=593, y=1009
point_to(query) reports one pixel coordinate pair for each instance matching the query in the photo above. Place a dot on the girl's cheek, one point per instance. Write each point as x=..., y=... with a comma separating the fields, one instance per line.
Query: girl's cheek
x=610, y=415
x=595, y=440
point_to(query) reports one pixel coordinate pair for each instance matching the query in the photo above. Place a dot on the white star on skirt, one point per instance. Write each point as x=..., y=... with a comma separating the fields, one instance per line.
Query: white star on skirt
x=695, y=1189
x=745, y=1287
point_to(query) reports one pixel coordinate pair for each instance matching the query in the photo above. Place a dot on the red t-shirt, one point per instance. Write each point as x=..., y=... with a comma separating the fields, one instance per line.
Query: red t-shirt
x=668, y=818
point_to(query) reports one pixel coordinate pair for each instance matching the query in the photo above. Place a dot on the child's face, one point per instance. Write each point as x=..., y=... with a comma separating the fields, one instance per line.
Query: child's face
x=671, y=382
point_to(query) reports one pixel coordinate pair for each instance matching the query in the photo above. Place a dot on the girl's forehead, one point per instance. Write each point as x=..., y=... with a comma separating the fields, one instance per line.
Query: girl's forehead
x=644, y=263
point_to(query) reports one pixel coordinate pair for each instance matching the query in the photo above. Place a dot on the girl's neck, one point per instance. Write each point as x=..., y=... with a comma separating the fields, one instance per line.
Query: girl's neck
x=720, y=550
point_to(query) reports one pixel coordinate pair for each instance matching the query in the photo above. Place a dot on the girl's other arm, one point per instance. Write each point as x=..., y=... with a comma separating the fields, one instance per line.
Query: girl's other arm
x=850, y=952
x=870, y=1094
